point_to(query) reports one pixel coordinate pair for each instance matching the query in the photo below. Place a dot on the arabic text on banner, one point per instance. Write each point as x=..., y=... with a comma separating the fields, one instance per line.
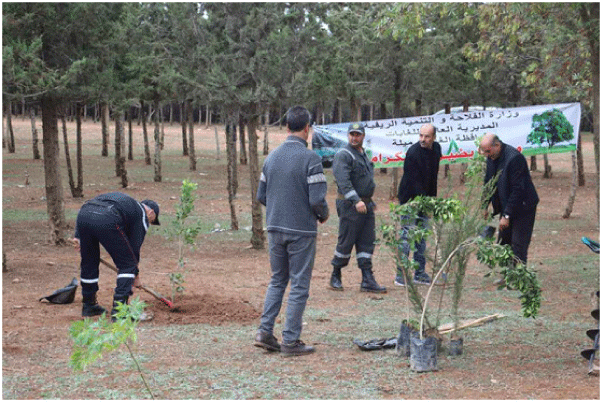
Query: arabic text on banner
x=387, y=141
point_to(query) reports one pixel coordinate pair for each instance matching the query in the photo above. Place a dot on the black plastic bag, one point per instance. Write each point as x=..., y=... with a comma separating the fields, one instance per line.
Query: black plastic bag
x=376, y=344
x=65, y=295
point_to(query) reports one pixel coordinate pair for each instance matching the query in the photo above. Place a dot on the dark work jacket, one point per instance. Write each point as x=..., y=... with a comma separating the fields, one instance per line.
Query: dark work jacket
x=420, y=176
x=514, y=193
x=133, y=219
x=354, y=174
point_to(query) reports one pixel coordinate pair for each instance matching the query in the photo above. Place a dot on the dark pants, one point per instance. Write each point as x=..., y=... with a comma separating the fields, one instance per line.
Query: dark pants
x=101, y=225
x=355, y=230
x=518, y=234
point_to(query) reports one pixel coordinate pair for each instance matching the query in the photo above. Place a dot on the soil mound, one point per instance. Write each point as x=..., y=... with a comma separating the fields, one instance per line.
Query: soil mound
x=205, y=309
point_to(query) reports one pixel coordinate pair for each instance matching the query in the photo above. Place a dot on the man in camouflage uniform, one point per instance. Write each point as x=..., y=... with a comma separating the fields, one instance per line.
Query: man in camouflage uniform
x=353, y=173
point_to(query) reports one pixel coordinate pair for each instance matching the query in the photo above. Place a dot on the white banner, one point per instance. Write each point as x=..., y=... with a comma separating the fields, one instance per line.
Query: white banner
x=532, y=130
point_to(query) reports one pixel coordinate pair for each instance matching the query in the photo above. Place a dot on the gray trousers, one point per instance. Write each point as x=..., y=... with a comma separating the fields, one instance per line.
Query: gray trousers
x=292, y=258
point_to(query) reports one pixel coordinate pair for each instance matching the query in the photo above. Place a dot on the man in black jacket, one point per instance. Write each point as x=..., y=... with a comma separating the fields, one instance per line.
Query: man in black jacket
x=513, y=197
x=119, y=223
x=421, y=166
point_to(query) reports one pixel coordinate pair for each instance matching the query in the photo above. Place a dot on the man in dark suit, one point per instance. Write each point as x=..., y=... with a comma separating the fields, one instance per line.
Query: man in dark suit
x=420, y=177
x=513, y=196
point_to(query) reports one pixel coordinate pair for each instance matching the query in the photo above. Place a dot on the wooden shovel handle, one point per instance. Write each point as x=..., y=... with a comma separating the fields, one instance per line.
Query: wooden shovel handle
x=148, y=290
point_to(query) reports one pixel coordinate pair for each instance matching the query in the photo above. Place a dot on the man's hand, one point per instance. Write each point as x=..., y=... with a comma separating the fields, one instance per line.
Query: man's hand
x=137, y=282
x=361, y=207
x=503, y=223
x=76, y=243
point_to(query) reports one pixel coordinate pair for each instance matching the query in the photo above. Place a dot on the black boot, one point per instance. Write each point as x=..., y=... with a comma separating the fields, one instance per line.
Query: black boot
x=91, y=307
x=116, y=301
x=369, y=284
x=336, y=279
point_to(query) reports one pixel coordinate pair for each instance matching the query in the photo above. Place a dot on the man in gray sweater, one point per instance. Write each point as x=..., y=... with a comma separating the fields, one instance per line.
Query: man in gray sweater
x=293, y=188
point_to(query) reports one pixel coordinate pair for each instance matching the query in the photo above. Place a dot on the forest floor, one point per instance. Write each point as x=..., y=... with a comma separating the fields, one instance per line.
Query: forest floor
x=204, y=350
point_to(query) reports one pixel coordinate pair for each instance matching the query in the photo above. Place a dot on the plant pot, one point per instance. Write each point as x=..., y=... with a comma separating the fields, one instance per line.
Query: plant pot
x=403, y=343
x=455, y=347
x=423, y=353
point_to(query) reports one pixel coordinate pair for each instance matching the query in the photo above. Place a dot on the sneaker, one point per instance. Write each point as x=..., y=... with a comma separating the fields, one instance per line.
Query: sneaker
x=296, y=348
x=399, y=281
x=266, y=341
x=422, y=279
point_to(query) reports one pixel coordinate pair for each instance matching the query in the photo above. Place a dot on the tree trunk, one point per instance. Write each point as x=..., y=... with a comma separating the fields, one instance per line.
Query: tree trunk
x=105, y=135
x=394, y=187
x=463, y=166
x=447, y=110
x=68, y=155
x=130, y=134
x=382, y=111
x=258, y=236
x=533, y=164
x=266, y=135
x=120, y=148
x=319, y=113
x=217, y=144
x=235, y=180
x=162, y=128
x=10, y=136
x=192, y=146
x=547, y=168
x=118, y=141
x=338, y=109
x=418, y=107
x=145, y=134
x=79, y=153
x=281, y=112
x=184, y=143
x=34, y=135
x=243, y=156
x=157, y=160
x=571, y=201
x=580, y=170
x=355, y=109
x=54, y=190
x=231, y=169
x=589, y=13
x=397, y=92
x=208, y=116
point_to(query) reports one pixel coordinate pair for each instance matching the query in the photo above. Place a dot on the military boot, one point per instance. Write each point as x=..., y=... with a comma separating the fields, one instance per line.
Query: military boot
x=91, y=307
x=369, y=284
x=336, y=279
x=116, y=302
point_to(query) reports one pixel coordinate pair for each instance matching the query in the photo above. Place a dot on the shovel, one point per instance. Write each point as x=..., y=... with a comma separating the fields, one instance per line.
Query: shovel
x=144, y=288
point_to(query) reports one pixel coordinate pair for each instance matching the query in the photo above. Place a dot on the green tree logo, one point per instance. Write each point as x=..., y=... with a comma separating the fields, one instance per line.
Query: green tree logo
x=551, y=127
